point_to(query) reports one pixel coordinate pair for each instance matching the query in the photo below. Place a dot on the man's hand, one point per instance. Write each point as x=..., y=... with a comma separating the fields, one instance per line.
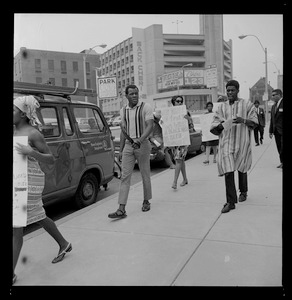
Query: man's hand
x=136, y=144
x=238, y=120
x=270, y=135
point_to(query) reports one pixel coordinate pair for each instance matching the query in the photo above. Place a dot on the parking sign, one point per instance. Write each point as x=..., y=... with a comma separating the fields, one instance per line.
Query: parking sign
x=107, y=87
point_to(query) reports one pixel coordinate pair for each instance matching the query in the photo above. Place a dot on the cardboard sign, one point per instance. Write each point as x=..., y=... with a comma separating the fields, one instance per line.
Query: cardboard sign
x=206, y=121
x=175, y=128
x=20, y=184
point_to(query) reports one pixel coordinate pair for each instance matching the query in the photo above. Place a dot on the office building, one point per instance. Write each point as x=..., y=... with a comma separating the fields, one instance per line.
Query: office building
x=57, y=68
x=149, y=54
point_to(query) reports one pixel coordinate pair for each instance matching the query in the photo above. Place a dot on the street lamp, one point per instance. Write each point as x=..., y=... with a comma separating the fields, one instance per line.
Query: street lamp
x=266, y=70
x=84, y=65
x=182, y=68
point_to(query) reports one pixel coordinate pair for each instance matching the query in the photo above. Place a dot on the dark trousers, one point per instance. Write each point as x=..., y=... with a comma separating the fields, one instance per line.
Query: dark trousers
x=279, y=143
x=231, y=195
x=257, y=130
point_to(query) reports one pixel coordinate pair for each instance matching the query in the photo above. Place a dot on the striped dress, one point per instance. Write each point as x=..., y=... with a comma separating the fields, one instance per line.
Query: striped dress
x=36, y=183
x=234, y=150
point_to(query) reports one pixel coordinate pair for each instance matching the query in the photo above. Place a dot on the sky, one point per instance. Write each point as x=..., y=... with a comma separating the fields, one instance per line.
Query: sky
x=76, y=32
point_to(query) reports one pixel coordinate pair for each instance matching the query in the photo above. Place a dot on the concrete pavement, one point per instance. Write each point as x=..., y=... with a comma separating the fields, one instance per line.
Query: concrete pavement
x=184, y=240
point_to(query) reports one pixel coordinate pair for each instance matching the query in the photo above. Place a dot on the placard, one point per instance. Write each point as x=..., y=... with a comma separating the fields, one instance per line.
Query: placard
x=175, y=128
x=20, y=184
x=206, y=121
x=107, y=87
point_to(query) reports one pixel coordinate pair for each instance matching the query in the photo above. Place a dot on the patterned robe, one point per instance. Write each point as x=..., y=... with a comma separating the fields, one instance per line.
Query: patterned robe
x=234, y=150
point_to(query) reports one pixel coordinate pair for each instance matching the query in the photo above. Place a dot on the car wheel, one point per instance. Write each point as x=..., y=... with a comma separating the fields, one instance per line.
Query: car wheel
x=87, y=190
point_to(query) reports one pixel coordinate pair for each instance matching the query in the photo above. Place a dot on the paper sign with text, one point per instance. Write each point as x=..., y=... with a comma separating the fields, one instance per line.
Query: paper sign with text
x=175, y=128
x=20, y=184
x=206, y=121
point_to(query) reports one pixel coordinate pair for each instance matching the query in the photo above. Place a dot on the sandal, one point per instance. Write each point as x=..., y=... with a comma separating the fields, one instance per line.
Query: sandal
x=62, y=254
x=184, y=183
x=174, y=186
x=118, y=214
x=206, y=162
x=146, y=206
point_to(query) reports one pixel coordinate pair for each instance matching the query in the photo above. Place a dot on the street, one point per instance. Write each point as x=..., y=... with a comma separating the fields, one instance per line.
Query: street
x=66, y=207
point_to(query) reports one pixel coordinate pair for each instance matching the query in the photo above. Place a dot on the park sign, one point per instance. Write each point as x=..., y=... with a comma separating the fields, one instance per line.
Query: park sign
x=107, y=87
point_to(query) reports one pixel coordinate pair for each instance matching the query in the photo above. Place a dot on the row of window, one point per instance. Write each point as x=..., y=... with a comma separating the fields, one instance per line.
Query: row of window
x=116, y=54
x=63, y=65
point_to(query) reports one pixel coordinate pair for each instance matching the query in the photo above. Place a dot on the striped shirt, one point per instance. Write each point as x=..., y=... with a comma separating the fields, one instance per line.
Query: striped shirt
x=234, y=150
x=134, y=119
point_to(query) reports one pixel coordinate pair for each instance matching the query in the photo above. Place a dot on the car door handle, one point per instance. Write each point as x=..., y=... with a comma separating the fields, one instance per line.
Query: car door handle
x=85, y=143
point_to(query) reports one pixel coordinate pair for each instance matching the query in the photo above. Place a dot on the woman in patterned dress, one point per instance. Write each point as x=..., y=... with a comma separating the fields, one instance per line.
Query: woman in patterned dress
x=180, y=152
x=25, y=122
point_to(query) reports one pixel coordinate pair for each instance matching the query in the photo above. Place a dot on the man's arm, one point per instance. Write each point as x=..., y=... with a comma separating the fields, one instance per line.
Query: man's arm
x=148, y=130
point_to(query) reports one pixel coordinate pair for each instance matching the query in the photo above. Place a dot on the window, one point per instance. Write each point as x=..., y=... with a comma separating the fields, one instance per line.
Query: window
x=51, y=65
x=75, y=66
x=88, y=120
x=38, y=80
x=63, y=67
x=88, y=83
x=64, y=82
x=37, y=65
x=49, y=120
x=87, y=67
x=68, y=125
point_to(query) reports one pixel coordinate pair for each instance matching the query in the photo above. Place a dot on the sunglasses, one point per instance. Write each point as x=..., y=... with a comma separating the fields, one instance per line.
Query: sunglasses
x=179, y=101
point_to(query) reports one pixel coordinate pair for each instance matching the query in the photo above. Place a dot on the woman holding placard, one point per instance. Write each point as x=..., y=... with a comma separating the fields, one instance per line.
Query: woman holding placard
x=26, y=123
x=180, y=152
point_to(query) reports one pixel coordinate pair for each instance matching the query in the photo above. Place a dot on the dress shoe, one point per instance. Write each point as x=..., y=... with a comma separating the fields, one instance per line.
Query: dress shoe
x=280, y=166
x=257, y=144
x=242, y=197
x=227, y=207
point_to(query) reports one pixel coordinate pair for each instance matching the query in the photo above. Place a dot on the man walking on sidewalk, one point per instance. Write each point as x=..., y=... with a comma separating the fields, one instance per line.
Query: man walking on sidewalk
x=276, y=123
x=262, y=123
x=233, y=122
x=136, y=124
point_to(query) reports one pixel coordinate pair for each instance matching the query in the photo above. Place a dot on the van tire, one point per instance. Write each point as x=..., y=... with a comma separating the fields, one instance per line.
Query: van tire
x=87, y=191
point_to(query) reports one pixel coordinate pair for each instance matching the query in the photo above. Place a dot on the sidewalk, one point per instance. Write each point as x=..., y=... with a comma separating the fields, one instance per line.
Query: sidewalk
x=184, y=240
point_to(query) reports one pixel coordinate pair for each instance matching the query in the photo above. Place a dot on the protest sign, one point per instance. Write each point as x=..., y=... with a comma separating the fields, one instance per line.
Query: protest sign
x=206, y=120
x=20, y=184
x=175, y=128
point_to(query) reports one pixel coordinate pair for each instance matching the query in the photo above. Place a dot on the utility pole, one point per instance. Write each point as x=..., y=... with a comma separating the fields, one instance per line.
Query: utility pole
x=177, y=22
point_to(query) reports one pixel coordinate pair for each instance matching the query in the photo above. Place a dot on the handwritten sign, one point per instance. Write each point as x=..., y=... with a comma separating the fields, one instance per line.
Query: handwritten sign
x=20, y=184
x=206, y=121
x=175, y=128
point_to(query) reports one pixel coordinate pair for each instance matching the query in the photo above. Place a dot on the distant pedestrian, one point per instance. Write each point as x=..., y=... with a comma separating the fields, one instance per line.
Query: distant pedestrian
x=211, y=144
x=156, y=138
x=25, y=124
x=262, y=123
x=233, y=122
x=137, y=123
x=276, y=123
x=180, y=151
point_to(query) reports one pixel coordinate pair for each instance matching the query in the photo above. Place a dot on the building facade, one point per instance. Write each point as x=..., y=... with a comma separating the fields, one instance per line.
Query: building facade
x=57, y=68
x=143, y=58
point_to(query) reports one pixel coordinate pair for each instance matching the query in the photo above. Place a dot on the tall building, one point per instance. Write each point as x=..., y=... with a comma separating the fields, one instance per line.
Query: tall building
x=256, y=92
x=150, y=54
x=57, y=68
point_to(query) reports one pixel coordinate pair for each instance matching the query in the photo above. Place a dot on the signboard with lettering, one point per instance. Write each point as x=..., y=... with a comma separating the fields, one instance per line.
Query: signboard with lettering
x=170, y=79
x=107, y=87
x=211, y=76
x=194, y=77
x=139, y=60
x=20, y=184
x=205, y=121
x=175, y=128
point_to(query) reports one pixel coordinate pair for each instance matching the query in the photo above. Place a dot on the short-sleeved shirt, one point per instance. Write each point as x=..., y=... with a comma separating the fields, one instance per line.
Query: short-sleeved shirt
x=134, y=119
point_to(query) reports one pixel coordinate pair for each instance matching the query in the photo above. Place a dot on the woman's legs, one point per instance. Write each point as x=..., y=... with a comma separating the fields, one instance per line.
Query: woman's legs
x=51, y=228
x=215, y=153
x=208, y=148
x=184, y=174
x=17, y=245
x=178, y=165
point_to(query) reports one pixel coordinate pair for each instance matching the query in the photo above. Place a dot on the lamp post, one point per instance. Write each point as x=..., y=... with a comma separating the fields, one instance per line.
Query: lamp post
x=266, y=70
x=84, y=65
x=96, y=80
x=182, y=68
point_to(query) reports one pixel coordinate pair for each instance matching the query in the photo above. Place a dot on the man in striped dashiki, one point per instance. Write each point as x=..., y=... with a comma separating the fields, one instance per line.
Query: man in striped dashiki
x=234, y=121
x=137, y=121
